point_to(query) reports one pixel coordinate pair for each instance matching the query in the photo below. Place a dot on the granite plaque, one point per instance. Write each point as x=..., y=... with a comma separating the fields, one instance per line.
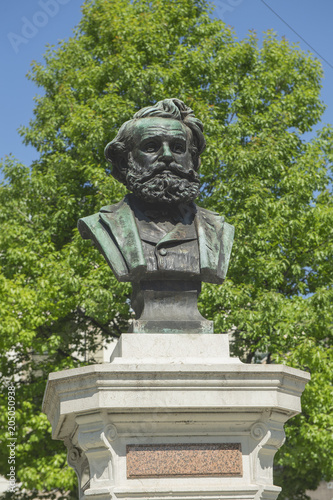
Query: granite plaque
x=184, y=460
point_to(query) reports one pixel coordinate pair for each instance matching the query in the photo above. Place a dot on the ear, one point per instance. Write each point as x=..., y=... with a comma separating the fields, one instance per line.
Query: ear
x=118, y=157
x=121, y=164
x=107, y=152
x=195, y=158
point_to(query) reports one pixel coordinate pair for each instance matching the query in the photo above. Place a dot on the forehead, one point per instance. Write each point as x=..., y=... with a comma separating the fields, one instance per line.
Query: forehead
x=159, y=127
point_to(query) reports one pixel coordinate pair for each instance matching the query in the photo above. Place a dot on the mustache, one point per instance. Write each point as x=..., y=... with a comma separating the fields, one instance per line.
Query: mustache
x=174, y=168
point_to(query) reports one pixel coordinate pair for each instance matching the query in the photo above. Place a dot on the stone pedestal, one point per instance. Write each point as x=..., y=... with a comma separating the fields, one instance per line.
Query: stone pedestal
x=173, y=416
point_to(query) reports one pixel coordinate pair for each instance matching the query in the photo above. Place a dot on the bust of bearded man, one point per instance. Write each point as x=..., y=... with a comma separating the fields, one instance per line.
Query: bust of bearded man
x=157, y=237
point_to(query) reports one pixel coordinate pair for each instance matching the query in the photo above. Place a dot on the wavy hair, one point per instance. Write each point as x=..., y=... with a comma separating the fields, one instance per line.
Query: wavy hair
x=116, y=152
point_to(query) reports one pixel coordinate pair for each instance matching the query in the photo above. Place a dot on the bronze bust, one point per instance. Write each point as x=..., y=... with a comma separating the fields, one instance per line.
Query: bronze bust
x=156, y=237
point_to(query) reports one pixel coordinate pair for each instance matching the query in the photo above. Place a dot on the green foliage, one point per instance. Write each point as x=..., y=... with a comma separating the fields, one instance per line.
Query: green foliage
x=58, y=298
x=306, y=455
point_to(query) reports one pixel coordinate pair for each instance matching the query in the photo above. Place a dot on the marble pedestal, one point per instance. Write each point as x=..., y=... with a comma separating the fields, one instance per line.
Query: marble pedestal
x=173, y=417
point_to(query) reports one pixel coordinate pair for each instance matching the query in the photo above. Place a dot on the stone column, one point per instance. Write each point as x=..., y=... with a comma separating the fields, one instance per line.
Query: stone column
x=173, y=416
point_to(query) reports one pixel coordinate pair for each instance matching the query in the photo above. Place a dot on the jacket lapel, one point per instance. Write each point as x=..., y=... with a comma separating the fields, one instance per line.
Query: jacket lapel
x=215, y=244
x=180, y=233
x=209, y=226
x=150, y=232
x=120, y=220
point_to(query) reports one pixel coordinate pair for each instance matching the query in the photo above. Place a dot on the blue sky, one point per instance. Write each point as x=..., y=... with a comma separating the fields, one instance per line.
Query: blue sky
x=27, y=26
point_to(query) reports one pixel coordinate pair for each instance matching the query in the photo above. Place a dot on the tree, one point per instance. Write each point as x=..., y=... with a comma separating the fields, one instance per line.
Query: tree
x=58, y=298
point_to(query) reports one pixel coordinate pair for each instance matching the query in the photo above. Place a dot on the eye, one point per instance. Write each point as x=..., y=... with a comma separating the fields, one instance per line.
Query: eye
x=150, y=147
x=179, y=148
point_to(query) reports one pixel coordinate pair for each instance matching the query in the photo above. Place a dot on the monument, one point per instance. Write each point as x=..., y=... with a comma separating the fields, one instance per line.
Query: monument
x=172, y=415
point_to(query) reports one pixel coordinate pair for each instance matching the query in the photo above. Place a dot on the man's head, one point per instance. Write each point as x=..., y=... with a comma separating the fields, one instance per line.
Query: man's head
x=157, y=153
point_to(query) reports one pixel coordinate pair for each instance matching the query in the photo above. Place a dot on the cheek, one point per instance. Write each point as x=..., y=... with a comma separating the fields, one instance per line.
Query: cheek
x=146, y=160
x=138, y=159
x=140, y=162
x=186, y=159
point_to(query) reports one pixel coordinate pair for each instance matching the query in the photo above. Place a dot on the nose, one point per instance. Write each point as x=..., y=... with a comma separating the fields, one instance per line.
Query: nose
x=166, y=153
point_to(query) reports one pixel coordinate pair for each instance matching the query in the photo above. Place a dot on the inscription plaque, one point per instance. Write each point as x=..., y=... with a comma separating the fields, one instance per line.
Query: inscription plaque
x=184, y=460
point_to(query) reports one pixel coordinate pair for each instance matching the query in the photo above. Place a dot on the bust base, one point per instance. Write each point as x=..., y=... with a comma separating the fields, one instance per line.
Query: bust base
x=173, y=302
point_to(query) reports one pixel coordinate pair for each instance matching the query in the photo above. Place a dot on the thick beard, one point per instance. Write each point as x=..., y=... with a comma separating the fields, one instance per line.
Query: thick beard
x=170, y=185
